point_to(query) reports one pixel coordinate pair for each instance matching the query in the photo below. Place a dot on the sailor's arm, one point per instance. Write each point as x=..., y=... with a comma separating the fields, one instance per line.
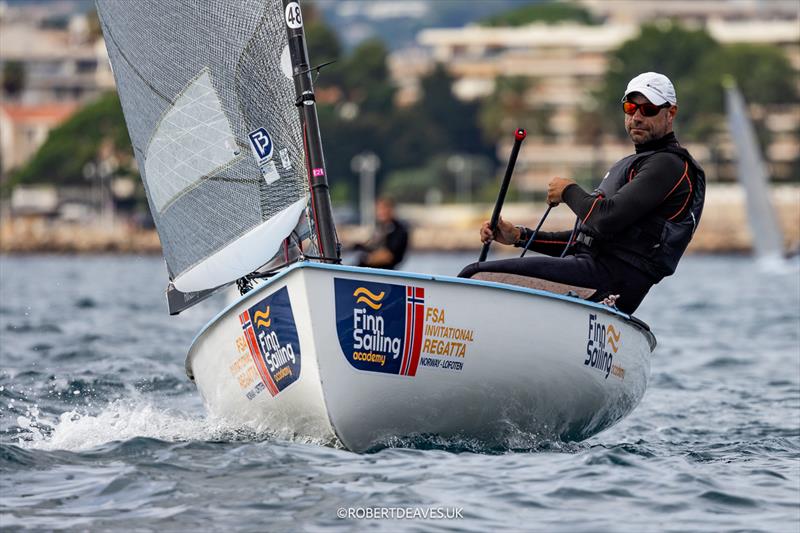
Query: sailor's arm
x=656, y=179
x=505, y=233
x=380, y=258
x=547, y=242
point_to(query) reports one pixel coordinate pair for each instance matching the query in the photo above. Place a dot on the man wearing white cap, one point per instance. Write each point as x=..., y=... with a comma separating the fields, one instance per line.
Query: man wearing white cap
x=633, y=229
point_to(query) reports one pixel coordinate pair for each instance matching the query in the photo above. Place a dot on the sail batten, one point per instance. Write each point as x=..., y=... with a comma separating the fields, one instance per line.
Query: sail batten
x=211, y=109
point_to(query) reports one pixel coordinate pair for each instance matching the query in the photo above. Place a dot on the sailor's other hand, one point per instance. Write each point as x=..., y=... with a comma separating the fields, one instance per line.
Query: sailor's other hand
x=555, y=190
x=380, y=258
x=506, y=232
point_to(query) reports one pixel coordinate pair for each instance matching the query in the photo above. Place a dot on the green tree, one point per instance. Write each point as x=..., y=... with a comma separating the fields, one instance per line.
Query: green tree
x=507, y=109
x=696, y=64
x=323, y=46
x=410, y=138
x=69, y=147
x=664, y=47
x=763, y=74
x=14, y=78
x=437, y=173
x=457, y=120
x=362, y=81
x=359, y=114
x=412, y=184
x=549, y=12
x=366, y=77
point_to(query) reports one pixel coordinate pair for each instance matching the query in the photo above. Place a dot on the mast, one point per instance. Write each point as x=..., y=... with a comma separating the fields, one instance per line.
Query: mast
x=322, y=211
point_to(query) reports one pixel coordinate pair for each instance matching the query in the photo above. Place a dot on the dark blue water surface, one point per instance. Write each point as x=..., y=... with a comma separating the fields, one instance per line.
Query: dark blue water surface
x=101, y=430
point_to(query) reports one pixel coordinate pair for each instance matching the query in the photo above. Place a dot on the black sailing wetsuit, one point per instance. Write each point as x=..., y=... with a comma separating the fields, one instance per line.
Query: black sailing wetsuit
x=633, y=229
x=391, y=235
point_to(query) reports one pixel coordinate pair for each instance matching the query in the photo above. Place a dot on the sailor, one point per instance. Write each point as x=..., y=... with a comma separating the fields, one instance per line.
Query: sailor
x=633, y=229
x=389, y=241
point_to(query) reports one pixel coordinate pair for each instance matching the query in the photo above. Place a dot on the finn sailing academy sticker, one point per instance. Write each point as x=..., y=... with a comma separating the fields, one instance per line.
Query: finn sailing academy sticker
x=602, y=345
x=379, y=325
x=262, y=147
x=272, y=338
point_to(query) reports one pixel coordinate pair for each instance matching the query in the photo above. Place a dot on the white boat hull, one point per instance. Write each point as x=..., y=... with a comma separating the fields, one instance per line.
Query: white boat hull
x=364, y=356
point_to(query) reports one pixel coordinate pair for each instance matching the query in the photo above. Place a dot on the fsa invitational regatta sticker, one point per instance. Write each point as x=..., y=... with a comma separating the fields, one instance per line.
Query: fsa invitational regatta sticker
x=272, y=338
x=380, y=326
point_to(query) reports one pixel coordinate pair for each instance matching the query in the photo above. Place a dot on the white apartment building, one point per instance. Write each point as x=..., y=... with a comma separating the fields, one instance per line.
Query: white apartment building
x=59, y=64
x=570, y=54
x=567, y=62
x=63, y=68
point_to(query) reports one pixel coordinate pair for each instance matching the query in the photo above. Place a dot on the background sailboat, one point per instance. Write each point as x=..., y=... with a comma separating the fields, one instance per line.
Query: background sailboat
x=768, y=244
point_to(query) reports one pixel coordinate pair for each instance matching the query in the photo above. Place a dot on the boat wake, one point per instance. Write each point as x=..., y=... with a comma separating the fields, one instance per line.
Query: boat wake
x=778, y=265
x=512, y=439
x=123, y=420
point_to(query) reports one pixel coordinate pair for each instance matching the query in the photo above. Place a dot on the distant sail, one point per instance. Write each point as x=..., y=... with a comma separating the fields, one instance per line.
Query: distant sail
x=752, y=173
x=208, y=97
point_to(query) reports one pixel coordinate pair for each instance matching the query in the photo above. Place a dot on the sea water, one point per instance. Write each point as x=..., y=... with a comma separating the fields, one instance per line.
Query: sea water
x=101, y=430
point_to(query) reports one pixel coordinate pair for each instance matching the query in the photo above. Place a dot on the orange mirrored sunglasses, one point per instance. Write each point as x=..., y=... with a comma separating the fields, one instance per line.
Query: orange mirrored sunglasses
x=647, y=109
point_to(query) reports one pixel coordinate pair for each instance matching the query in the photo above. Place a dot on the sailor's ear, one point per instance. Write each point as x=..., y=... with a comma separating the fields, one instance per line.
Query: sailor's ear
x=673, y=111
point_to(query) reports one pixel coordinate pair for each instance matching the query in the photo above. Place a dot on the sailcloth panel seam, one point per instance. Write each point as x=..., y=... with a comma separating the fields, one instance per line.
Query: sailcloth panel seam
x=182, y=150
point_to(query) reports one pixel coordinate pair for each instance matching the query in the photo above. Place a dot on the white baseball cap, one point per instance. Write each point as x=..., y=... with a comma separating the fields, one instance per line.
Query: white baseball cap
x=654, y=86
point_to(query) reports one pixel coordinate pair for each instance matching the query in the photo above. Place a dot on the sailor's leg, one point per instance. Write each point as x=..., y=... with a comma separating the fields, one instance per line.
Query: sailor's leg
x=581, y=269
x=630, y=283
x=607, y=276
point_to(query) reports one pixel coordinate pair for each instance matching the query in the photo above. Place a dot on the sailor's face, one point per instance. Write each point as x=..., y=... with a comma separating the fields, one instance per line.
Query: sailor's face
x=383, y=211
x=642, y=129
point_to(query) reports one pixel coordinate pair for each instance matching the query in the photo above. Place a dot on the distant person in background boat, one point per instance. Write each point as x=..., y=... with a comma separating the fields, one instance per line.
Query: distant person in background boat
x=388, y=243
x=633, y=229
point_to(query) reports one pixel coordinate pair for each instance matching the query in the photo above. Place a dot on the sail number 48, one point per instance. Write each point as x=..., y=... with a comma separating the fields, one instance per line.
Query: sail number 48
x=294, y=19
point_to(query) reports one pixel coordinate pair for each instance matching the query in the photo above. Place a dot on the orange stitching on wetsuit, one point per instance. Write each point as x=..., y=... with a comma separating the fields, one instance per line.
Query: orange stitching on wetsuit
x=685, y=174
x=599, y=197
x=688, y=196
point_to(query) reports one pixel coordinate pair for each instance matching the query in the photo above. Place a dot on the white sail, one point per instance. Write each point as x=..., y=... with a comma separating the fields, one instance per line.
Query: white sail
x=243, y=255
x=210, y=106
x=752, y=174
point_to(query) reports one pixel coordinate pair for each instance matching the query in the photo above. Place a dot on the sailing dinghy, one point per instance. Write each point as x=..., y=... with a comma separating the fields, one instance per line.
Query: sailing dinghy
x=219, y=103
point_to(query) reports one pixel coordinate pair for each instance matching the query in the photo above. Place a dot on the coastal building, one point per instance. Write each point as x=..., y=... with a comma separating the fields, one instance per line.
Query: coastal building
x=24, y=128
x=690, y=11
x=62, y=57
x=565, y=63
x=60, y=63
